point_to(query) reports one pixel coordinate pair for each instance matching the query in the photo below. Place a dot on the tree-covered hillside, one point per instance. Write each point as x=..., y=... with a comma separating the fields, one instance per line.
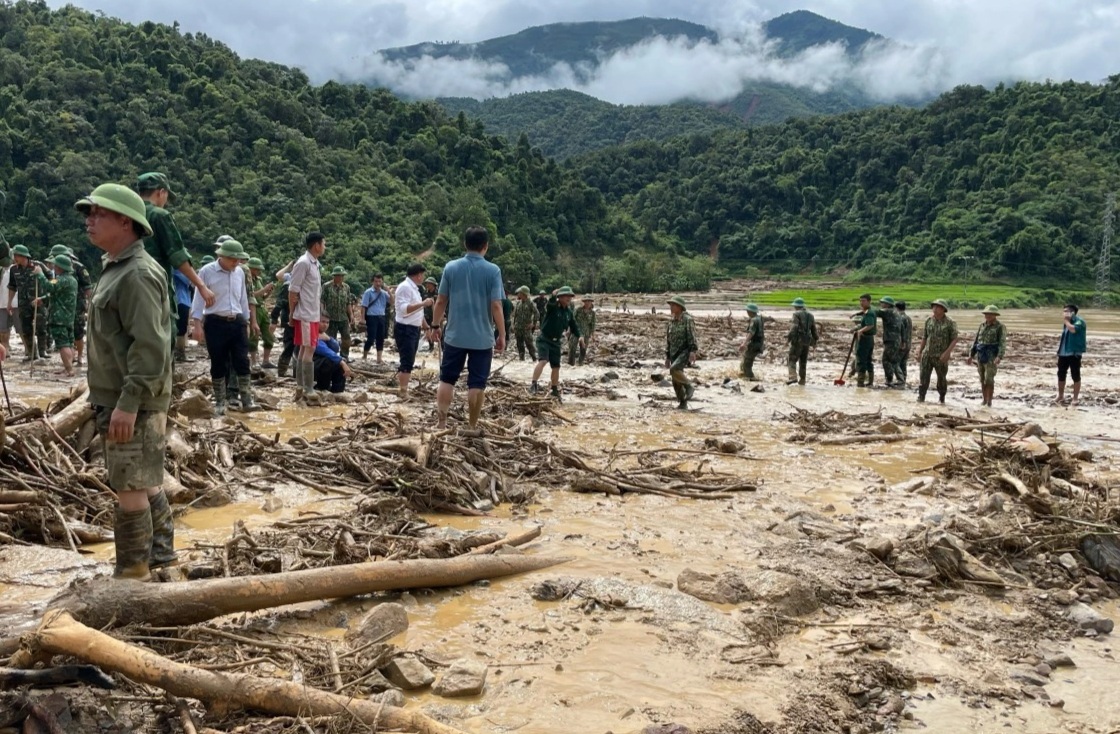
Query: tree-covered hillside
x=1011, y=181
x=802, y=29
x=257, y=152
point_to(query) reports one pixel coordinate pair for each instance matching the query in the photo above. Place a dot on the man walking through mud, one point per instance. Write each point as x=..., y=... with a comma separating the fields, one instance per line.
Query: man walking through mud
x=471, y=294
x=558, y=318
x=892, y=337
x=939, y=339
x=680, y=350
x=525, y=324
x=801, y=337
x=906, y=339
x=130, y=377
x=987, y=351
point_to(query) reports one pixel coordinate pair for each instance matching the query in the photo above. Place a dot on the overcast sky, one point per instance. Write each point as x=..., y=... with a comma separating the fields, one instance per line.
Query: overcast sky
x=947, y=42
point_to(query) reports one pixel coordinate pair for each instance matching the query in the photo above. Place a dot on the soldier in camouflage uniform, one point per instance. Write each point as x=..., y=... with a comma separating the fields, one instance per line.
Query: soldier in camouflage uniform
x=259, y=291
x=987, y=351
x=524, y=323
x=939, y=338
x=680, y=350
x=892, y=339
x=865, y=342
x=540, y=302
x=336, y=300
x=906, y=337
x=801, y=337
x=586, y=321
x=62, y=294
x=32, y=322
x=752, y=345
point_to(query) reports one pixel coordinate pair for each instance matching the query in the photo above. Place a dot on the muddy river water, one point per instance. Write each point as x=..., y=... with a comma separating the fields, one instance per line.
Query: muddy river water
x=554, y=667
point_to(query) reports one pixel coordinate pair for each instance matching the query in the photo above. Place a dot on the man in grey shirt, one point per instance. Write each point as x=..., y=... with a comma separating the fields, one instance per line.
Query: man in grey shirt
x=304, y=292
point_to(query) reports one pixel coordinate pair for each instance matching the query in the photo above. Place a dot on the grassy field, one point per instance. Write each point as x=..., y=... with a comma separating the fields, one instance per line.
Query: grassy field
x=918, y=295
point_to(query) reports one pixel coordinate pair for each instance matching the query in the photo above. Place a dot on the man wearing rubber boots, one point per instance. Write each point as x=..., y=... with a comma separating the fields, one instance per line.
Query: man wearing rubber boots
x=865, y=342
x=892, y=340
x=752, y=345
x=130, y=377
x=939, y=338
x=680, y=350
x=987, y=351
x=801, y=337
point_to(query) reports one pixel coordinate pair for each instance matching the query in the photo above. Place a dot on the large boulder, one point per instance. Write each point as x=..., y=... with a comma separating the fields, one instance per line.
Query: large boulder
x=463, y=678
x=382, y=622
x=408, y=673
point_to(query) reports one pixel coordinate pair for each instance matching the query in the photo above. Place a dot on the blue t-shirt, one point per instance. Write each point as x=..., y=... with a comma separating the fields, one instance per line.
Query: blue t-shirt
x=374, y=301
x=183, y=291
x=471, y=285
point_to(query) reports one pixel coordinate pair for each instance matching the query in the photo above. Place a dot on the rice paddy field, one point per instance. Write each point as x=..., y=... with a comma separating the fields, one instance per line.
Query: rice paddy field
x=824, y=296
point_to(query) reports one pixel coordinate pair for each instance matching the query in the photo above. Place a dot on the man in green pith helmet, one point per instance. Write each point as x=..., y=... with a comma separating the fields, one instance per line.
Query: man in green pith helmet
x=939, y=338
x=431, y=290
x=85, y=288
x=680, y=350
x=892, y=339
x=336, y=307
x=227, y=327
x=752, y=345
x=802, y=337
x=865, y=342
x=906, y=338
x=541, y=301
x=129, y=377
x=525, y=323
x=32, y=320
x=586, y=321
x=260, y=290
x=988, y=350
x=61, y=292
x=558, y=318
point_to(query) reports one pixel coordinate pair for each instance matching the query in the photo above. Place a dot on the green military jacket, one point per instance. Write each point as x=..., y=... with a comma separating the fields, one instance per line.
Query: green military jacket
x=892, y=326
x=336, y=301
x=680, y=337
x=802, y=329
x=869, y=318
x=755, y=331
x=906, y=331
x=585, y=319
x=21, y=279
x=165, y=245
x=85, y=283
x=541, y=303
x=129, y=330
x=938, y=336
x=557, y=320
x=62, y=295
x=524, y=317
x=990, y=335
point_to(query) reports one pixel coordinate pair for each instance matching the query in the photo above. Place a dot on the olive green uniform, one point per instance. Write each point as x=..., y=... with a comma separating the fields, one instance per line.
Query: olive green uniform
x=680, y=343
x=938, y=336
x=85, y=283
x=892, y=339
x=336, y=299
x=585, y=319
x=802, y=335
x=524, y=324
x=165, y=246
x=865, y=348
x=557, y=320
x=32, y=321
x=906, y=337
x=62, y=294
x=265, y=335
x=989, y=345
x=755, y=343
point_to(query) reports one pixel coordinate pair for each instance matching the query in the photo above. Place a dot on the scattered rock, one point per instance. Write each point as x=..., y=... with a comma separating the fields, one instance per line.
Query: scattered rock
x=1043, y=669
x=272, y=504
x=758, y=388
x=1087, y=618
x=666, y=729
x=726, y=588
x=609, y=377
x=1029, y=429
x=782, y=593
x=992, y=504
x=408, y=673
x=391, y=697
x=1082, y=455
x=1060, y=660
x=194, y=405
x=1102, y=552
x=1068, y=562
x=911, y=564
x=463, y=678
x=881, y=547
x=1028, y=677
x=382, y=622
x=377, y=682
x=888, y=429
x=1036, y=692
x=894, y=706
x=917, y=484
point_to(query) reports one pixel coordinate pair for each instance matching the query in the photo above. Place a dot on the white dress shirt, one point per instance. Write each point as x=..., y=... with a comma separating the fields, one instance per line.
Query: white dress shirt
x=408, y=293
x=228, y=287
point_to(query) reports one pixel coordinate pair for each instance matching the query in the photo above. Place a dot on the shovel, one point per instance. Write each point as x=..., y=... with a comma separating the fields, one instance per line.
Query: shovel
x=840, y=380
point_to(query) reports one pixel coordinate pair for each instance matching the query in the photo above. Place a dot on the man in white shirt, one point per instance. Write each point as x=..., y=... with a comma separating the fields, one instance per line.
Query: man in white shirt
x=304, y=291
x=408, y=318
x=226, y=324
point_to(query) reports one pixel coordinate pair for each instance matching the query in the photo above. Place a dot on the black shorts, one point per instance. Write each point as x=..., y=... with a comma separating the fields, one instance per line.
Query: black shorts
x=408, y=341
x=1072, y=363
x=478, y=363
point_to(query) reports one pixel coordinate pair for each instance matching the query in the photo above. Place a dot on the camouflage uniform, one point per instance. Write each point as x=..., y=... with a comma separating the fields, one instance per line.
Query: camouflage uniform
x=938, y=336
x=540, y=302
x=265, y=336
x=524, y=324
x=336, y=305
x=85, y=283
x=755, y=340
x=32, y=321
x=585, y=320
x=906, y=336
x=990, y=344
x=62, y=293
x=802, y=335
x=865, y=348
x=680, y=342
x=892, y=339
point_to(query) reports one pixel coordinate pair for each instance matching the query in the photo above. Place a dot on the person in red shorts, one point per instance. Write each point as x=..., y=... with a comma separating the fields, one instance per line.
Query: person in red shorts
x=304, y=292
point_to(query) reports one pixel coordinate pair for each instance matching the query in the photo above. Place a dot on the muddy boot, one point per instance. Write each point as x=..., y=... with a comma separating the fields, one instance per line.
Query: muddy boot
x=181, y=349
x=534, y=388
x=245, y=390
x=554, y=393
x=132, y=535
x=921, y=394
x=233, y=394
x=941, y=396
x=862, y=380
x=163, y=533
x=689, y=391
x=682, y=401
x=220, y=403
x=282, y=367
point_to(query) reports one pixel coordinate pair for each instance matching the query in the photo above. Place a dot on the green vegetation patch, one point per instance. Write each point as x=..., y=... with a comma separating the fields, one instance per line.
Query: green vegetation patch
x=918, y=296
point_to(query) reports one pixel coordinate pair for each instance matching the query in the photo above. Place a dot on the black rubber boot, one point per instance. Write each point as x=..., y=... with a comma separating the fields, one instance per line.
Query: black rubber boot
x=245, y=390
x=163, y=533
x=220, y=403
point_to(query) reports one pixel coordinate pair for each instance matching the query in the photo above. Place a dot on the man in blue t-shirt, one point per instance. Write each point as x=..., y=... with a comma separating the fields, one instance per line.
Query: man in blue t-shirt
x=471, y=294
x=375, y=302
x=1071, y=346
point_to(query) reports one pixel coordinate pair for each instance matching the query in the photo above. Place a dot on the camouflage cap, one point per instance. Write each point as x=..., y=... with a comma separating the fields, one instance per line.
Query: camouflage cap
x=63, y=262
x=752, y=308
x=991, y=308
x=119, y=199
x=21, y=250
x=941, y=303
x=887, y=300
x=255, y=263
x=798, y=303
x=565, y=291
x=523, y=289
x=153, y=181
x=678, y=301
x=585, y=299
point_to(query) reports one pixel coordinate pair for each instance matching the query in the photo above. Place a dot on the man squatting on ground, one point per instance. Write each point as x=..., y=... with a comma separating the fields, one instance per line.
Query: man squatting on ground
x=471, y=294
x=304, y=294
x=408, y=319
x=558, y=318
x=130, y=377
x=331, y=368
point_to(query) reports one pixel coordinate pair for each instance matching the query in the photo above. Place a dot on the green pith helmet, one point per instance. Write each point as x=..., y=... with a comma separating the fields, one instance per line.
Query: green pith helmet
x=230, y=248
x=523, y=289
x=255, y=263
x=991, y=308
x=431, y=281
x=678, y=301
x=565, y=291
x=542, y=293
x=59, y=250
x=798, y=303
x=586, y=299
x=941, y=303
x=21, y=250
x=887, y=300
x=338, y=270
x=153, y=181
x=119, y=199
x=752, y=308
x=63, y=263
x=207, y=259
x=221, y=238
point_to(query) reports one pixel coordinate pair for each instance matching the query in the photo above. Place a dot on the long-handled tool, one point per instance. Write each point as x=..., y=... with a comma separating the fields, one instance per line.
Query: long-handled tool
x=34, y=329
x=5, y=384
x=840, y=380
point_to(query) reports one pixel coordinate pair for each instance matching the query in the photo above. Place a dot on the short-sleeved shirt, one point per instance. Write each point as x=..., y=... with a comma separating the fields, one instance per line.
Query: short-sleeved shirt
x=307, y=282
x=375, y=301
x=471, y=285
x=939, y=335
x=407, y=294
x=1071, y=344
x=869, y=318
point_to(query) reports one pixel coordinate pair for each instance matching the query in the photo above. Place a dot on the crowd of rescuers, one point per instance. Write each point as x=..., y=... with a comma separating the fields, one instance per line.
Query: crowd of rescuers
x=132, y=326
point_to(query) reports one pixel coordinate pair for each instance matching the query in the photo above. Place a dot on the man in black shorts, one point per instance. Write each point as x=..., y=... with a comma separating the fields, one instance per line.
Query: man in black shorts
x=1071, y=346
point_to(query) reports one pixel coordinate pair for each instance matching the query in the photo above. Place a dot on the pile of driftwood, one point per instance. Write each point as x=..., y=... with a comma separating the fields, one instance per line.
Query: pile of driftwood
x=836, y=428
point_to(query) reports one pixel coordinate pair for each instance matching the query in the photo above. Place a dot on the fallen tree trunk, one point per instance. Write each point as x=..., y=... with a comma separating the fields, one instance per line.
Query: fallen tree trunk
x=869, y=438
x=61, y=634
x=102, y=602
x=19, y=496
x=64, y=423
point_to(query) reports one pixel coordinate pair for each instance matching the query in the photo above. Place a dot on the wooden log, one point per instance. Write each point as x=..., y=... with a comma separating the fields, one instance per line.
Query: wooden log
x=869, y=438
x=61, y=634
x=17, y=497
x=104, y=602
x=513, y=539
x=64, y=423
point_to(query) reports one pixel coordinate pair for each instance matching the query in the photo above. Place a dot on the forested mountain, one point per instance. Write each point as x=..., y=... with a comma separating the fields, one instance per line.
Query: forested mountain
x=564, y=124
x=257, y=152
x=1014, y=179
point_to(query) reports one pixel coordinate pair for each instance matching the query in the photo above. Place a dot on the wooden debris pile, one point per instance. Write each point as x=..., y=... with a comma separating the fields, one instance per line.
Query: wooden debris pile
x=836, y=428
